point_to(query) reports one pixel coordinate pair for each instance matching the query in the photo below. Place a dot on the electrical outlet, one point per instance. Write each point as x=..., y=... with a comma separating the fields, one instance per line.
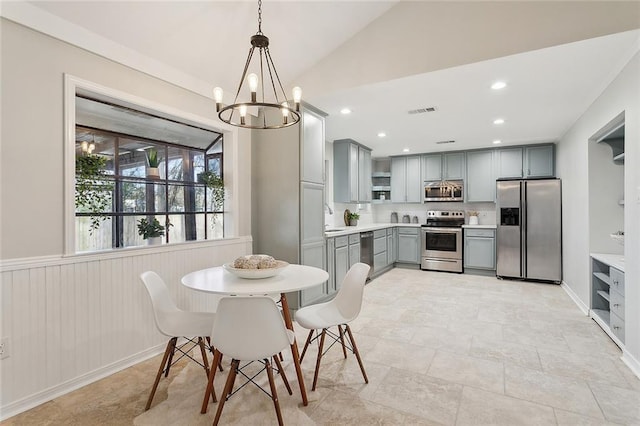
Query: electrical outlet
x=4, y=348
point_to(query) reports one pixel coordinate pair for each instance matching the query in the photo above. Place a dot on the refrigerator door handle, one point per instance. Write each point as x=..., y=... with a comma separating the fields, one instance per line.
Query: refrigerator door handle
x=523, y=228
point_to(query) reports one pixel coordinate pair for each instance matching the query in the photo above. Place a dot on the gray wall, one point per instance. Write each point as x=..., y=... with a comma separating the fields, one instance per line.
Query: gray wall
x=31, y=172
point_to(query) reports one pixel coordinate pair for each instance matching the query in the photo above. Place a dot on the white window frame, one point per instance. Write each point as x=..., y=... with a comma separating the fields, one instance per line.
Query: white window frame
x=74, y=86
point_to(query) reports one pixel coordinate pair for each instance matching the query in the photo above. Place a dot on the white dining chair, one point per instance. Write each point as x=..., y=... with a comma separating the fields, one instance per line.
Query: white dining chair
x=175, y=323
x=340, y=311
x=248, y=328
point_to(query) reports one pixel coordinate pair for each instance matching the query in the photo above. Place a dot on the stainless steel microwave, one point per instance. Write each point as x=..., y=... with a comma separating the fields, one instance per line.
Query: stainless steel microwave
x=444, y=190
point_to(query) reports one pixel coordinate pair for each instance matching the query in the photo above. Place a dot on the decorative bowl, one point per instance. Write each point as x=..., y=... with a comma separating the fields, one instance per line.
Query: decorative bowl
x=254, y=274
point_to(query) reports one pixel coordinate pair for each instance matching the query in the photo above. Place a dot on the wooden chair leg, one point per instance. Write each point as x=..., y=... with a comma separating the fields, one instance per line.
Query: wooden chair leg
x=212, y=349
x=306, y=345
x=228, y=387
x=344, y=349
x=274, y=394
x=210, y=391
x=282, y=374
x=174, y=341
x=355, y=351
x=203, y=351
x=315, y=375
x=167, y=351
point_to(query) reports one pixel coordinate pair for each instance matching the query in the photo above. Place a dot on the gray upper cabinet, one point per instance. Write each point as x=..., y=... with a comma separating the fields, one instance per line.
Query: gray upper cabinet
x=351, y=172
x=453, y=166
x=312, y=147
x=509, y=163
x=533, y=161
x=448, y=166
x=406, y=182
x=481, y=181
x=364, y=175
x=539, y=161
x=432, y=167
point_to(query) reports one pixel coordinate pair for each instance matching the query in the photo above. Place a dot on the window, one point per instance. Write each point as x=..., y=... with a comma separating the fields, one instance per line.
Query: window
x=116, y=187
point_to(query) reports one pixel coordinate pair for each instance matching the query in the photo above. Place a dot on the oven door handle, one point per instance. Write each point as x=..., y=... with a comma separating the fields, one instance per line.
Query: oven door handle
x=439, y=229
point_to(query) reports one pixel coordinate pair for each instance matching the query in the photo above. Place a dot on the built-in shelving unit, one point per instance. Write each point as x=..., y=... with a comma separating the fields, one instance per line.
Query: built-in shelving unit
x=381, y=182
x=607, y=298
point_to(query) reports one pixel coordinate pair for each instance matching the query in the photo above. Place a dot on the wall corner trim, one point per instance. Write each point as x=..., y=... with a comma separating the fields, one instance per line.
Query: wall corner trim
x=581, y=305
x=632, y=363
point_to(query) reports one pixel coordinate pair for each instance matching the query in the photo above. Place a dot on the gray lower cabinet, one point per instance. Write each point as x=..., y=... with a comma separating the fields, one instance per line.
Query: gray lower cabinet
x=379, y=250
x=392, y=245
x=480, y=249
x=342, y=259
x=607, y=299
x=331, y=265
x=313, y=255
x=408, y=245
x=354, y=249
x=481, y=181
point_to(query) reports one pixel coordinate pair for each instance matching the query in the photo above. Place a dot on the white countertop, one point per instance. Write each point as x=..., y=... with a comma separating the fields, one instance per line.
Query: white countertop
x=480, y=226
x=615, y=260
x=346, y=230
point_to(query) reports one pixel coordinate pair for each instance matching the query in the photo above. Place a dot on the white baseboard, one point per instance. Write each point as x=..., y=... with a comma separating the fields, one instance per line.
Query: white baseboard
x=46, y=395
x=583, y=307
x=632, y=363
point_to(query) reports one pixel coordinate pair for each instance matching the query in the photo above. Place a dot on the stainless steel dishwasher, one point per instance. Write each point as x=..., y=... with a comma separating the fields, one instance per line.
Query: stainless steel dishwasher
x=366, y=249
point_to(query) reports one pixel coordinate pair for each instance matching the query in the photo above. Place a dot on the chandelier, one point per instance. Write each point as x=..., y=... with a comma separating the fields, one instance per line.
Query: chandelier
x=273, y=113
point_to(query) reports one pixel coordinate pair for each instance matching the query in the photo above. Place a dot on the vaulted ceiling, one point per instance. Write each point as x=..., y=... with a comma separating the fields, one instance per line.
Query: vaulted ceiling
x=380, y=59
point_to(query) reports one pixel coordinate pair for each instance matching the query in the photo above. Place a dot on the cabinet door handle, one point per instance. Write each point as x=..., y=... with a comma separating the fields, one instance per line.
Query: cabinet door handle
x=615, y=305
x=615, y=327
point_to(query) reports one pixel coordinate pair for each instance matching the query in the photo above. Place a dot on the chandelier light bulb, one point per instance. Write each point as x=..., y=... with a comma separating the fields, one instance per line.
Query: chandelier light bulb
x=92, y=146
x=85, y=146
x=243, y=113
x=297, y=97
x=252, y=79
x=217, y=96
x=285, y=112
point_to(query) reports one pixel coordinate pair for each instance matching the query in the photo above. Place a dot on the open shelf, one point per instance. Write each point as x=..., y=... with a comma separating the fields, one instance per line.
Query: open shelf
x=604, y=295
x=602, y=277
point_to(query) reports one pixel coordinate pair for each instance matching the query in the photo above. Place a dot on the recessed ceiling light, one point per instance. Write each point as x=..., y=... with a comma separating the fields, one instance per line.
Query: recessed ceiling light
x=498, y=85
x=498, y=121
x=497, y=141
x=382, y=134
x=405, y=150
x=345, y=111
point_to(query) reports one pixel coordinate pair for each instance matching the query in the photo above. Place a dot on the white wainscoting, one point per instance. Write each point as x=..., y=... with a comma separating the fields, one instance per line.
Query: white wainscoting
x=73, y=320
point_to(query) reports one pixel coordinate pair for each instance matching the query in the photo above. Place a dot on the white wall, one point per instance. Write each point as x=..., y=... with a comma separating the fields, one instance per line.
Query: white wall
x=75, y=319
x=623, y=95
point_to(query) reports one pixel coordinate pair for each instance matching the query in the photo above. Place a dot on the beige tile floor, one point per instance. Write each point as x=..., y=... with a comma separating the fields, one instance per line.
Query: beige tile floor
x=438, y=349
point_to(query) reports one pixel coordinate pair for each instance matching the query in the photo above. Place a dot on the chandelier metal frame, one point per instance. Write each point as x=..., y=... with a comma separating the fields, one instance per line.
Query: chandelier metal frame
x=235, y=113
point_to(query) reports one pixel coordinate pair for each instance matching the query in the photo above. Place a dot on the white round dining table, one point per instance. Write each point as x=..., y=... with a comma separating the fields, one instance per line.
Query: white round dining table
x=217, y=280
x=294, y=277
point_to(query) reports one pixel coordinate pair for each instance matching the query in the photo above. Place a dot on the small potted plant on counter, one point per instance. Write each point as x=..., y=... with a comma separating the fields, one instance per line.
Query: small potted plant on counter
x=152, y=230
x=353, y=219
x=473, y=217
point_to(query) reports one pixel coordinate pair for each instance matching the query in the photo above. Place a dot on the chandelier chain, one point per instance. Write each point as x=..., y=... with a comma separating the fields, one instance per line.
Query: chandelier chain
x=259, y=16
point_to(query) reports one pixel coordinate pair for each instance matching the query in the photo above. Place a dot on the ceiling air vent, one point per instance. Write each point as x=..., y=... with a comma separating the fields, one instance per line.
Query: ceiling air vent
x=422, y=110
x=443, y=142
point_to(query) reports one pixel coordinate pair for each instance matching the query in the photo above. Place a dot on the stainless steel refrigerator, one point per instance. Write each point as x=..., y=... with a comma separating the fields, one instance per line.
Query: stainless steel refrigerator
x=529, y=229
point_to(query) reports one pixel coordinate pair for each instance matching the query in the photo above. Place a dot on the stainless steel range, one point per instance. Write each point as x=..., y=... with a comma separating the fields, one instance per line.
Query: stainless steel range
x=442, y=241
